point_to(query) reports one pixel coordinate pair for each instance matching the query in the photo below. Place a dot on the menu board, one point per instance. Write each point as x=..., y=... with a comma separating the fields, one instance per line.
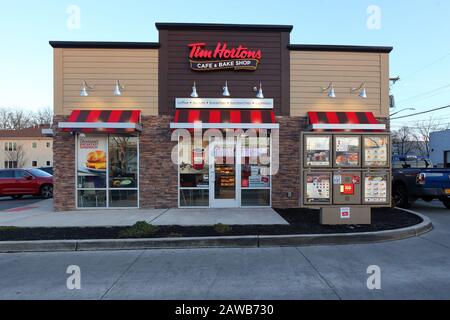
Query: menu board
x=318, y=188
x=318, y=151
x=376, y=151
x=347, y=151
x=376, y=188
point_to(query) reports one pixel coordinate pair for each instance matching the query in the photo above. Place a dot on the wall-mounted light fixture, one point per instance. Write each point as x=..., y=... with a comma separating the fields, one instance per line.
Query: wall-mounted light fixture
x=118, y=89
x=260, y=94
x=226, y=91
x=194, y=93
x=330, y=91
x=85, y=88
x=362, y=91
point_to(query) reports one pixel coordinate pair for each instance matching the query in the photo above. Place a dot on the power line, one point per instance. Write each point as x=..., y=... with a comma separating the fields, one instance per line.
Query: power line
x=427, y=66
x=419, y=113
x=426, y=93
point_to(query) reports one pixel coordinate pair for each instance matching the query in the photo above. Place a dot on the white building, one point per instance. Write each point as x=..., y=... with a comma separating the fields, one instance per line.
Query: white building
x=26, y=148
x=440, y=148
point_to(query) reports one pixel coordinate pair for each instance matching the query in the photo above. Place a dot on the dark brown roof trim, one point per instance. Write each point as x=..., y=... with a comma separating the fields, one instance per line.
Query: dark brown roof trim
x=104, y=45
x=217, y=26
x=339, y=48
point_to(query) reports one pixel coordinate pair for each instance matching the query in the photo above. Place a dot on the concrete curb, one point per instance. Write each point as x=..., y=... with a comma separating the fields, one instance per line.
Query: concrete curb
x=352, y=238
x=219, y=242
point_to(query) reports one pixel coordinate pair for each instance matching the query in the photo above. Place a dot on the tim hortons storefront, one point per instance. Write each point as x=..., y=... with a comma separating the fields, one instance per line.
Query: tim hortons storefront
x=215, y=116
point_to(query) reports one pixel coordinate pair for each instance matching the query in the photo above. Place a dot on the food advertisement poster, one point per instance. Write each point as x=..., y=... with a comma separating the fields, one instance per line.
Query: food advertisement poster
x=376, y=151
x=347, y=151
x=376, y=188
x=318, y=188
x=92, y=156
x=318, y=151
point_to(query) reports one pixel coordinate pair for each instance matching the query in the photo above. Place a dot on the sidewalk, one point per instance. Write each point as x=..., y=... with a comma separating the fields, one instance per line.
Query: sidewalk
x=41, y=214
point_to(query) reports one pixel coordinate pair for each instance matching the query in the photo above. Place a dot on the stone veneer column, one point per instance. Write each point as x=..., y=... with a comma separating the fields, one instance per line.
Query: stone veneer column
x=288, y=177
x=158, y=175
x=64, y=169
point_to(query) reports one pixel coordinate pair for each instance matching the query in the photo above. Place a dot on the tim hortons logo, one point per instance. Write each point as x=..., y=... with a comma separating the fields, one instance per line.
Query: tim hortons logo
x=223, y=57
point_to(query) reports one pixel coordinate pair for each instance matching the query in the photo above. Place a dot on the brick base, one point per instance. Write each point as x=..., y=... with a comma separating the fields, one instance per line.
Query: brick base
x=286, y=183
x=64, y=169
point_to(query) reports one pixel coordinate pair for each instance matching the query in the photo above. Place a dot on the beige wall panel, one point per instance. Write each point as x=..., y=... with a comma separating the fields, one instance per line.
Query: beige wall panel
x=137, y=70
x=310, y=71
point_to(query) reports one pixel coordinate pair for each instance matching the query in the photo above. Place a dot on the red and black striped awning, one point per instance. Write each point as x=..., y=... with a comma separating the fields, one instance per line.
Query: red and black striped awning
x=105, y=121
x=344, y=121
x=224, y=119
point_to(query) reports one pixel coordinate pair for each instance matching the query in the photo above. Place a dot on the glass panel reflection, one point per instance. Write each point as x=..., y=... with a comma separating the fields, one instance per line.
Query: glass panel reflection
x=123, y=199
x=92, y=199
x=256, y=198
x=194, y=198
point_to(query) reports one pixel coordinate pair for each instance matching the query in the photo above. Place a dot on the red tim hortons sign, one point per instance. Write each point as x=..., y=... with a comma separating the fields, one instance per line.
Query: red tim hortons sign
x=223, y=57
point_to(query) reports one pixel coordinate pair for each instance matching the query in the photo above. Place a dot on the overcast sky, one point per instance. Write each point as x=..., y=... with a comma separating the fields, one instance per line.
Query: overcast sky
x=417, y=29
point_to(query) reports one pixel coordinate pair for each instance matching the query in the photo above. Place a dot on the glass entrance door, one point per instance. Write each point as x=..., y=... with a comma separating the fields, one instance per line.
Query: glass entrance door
x=225, y=174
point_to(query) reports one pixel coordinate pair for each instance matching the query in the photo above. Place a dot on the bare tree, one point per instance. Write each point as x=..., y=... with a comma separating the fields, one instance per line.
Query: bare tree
x=403, y=140
x=17, y=155
x=17, y=119
x=42, y=116
x=425, y=128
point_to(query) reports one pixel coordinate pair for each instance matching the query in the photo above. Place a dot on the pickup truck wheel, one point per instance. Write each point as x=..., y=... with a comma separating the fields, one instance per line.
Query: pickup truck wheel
x=47, y=191
x=401, y=197
x=446, y=202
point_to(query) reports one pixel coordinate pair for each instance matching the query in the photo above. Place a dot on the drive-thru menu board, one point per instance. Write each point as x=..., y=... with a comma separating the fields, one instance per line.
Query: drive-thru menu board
x=318, y=188
x=347, y=151
x=376, y=188
x=318, y=151
x=346, y=169
x=376, y=151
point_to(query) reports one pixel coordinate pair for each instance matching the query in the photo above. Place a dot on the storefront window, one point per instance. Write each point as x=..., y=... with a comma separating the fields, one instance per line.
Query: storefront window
x=255, y=172
x=194, y=176
x=123, y=162
x=102, y=156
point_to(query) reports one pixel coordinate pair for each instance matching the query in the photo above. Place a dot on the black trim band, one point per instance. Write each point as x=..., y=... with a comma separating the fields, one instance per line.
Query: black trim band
x=219, y=26
x=339, y=48
x=104, y=45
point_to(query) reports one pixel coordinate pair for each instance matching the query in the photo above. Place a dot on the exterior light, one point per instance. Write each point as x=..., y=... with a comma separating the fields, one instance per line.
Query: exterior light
x=406, y=109
x=226, y=91
x=260, y=94
x=118, y=89
x=85, y=88
x=194, y=93
x=362, y=91
x=330, y=91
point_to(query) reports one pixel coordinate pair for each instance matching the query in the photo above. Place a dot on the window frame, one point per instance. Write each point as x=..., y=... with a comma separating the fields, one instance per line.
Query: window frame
x=108, y=189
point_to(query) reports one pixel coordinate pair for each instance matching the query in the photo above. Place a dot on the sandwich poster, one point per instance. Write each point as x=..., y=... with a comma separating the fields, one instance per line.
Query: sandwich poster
x=92, y=155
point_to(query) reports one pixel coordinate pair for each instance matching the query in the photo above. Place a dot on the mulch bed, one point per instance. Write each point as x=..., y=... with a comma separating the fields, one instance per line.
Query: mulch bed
x=302, y=221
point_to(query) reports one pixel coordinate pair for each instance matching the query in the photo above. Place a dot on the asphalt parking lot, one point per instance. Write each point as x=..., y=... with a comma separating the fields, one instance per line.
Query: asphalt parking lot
x=416, y=268
x=7, y=203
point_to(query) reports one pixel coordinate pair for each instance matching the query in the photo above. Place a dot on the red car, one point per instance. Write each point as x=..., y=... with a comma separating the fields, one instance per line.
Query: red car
x=20, y=182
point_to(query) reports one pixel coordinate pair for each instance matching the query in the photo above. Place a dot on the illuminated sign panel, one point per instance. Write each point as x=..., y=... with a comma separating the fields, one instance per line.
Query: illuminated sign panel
x=223, y=57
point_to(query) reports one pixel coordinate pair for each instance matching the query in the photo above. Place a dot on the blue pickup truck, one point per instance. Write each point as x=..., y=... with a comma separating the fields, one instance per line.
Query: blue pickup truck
x=415, y=178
